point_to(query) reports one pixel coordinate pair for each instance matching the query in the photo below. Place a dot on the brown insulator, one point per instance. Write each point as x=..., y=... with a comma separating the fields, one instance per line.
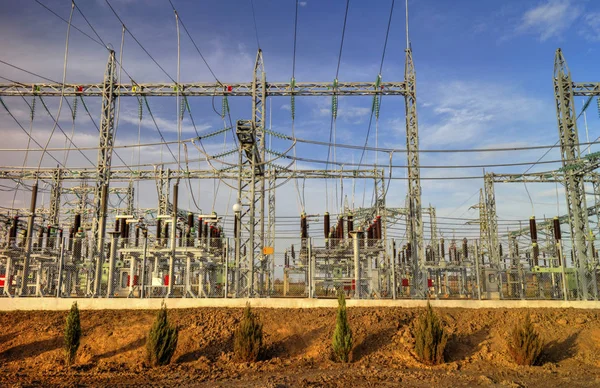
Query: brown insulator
x=49, y=237
x=326, y=227
x=408, y=252
x=350, y=223
x=465, y=249
x=556, y=228
x=190, y=220
x=442, y=249
x=117, y=224
x=159, y=230
x=394, y=253
x=137, y=236
x=303, y=226
x=370, y=232
x=235, y=225
x=428, y=253
x=340, y=228
x=60, y=235
x=14, y=229
x=206, y=229
x=533, y=229
x=77, y=222
x=123, y=228
x=200, y=230
x=500, y=249
x=379, y=234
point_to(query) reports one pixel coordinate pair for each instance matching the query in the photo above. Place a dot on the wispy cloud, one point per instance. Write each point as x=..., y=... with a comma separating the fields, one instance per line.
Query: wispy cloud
x=468, y=110
x=591, y=27
x=550, y=19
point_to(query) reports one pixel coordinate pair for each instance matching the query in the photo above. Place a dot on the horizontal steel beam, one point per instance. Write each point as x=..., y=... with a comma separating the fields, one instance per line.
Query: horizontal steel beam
x=206, y=89
x=127, y=175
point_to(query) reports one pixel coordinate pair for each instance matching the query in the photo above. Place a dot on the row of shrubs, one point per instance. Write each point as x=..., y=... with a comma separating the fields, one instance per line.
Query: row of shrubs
x=524, y=344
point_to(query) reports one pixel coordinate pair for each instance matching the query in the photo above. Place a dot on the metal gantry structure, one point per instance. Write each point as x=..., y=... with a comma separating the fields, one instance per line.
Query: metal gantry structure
x=256, y=176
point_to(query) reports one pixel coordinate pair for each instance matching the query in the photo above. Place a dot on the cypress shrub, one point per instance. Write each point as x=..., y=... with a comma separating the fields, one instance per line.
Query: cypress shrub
x=525, y=345
x=342, y=336
x=72, y=334
x=430, y=338
x=162, y=339
x=248, y=337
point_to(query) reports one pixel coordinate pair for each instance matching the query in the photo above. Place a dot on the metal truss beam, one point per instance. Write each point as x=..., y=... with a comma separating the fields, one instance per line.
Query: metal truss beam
x=574, y=185
x=206, y=89
x=419, y=285
x=144, y=175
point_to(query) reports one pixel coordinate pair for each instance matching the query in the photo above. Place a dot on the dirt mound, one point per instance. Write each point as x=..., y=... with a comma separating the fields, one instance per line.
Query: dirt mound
x=112, y=349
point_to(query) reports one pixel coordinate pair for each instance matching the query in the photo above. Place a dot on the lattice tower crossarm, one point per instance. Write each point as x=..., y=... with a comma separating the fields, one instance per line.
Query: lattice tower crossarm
x=204, y=89
x=414, y=177
x=574, y=185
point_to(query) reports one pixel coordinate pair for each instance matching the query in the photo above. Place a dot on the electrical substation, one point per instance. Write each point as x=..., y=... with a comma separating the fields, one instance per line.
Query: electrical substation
x=85, y=233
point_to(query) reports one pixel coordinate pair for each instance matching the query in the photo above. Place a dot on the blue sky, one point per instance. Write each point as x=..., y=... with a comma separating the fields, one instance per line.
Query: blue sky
x=484, y=79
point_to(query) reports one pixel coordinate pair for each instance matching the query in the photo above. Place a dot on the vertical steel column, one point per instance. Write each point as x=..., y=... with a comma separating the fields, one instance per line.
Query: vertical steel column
x=356, y=236
x=492, y=220
x=419, y=286
x=111, y=264
x=173, y=241
x=435, y=248
x=105, y=150
x=55, y=193
x=271, y=228
x=574, y=185
x=28, y=240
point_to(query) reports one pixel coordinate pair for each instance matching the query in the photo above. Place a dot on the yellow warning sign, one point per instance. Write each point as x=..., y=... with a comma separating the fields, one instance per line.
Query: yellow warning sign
x=268, y=250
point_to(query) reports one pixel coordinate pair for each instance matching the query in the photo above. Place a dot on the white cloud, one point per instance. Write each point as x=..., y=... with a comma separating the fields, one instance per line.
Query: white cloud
x=303, y=3
x=550, y=19
x=470, y=110
x=591, y=28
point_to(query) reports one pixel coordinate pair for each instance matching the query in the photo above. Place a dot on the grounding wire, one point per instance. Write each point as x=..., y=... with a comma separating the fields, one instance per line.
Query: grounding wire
x=255, y=25
x=296, y=185
x=138, y=42
x=334, y=102
x=62, y=92
x=66, y=21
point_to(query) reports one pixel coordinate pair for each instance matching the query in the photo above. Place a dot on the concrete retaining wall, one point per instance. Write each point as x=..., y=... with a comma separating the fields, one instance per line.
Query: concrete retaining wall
x=13, y=304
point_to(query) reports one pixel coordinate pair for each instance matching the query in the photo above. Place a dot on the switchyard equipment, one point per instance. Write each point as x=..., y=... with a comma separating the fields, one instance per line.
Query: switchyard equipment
x=66, y=250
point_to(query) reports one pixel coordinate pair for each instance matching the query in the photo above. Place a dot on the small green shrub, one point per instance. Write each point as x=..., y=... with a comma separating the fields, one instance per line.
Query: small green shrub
x=248, y=337
x=162, y=339
x=342, y=336
x=72, y=334
x=430, y=338
x=525, y=345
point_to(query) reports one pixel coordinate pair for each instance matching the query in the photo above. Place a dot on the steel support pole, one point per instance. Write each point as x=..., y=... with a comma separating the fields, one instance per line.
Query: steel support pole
x=28, y=238
x=173, y=241
x=100, y=241
x=356, y=236
x=61, y=265
x=144, y=255
x=111, y=264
